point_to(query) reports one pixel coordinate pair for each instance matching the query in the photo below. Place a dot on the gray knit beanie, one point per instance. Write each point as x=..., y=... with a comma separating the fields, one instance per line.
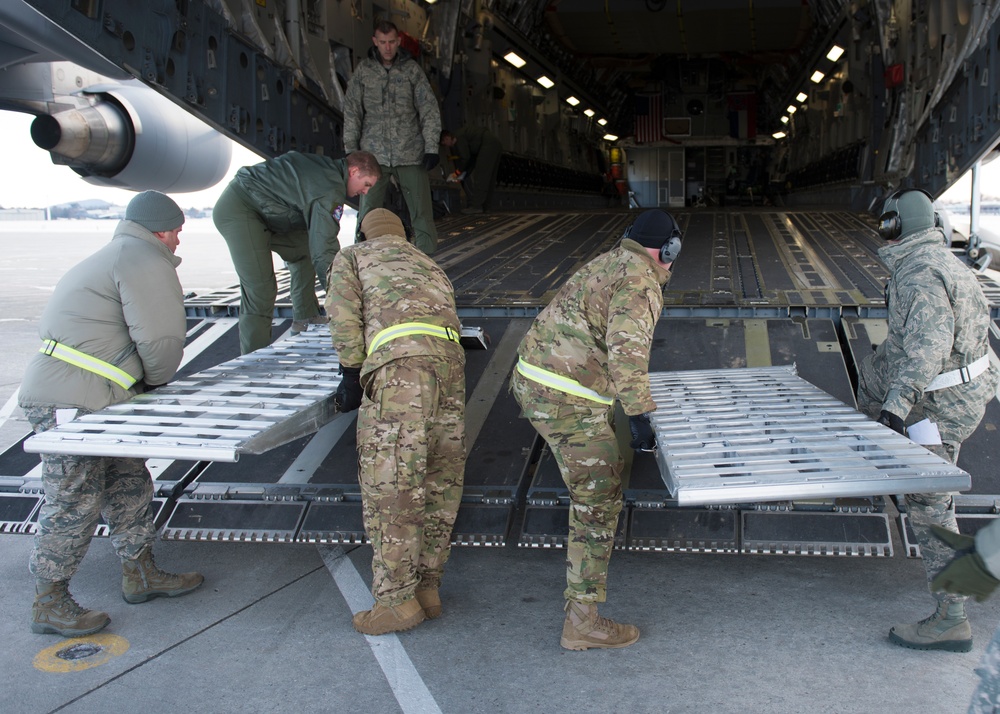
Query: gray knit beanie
x=154, y=211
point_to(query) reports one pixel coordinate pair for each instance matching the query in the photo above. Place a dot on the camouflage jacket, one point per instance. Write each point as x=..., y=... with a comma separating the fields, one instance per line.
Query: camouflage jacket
x=296, y=192
x=391, y=111
x=598, y=329
x=938, y=321
x=385, y=282
x=122, y=305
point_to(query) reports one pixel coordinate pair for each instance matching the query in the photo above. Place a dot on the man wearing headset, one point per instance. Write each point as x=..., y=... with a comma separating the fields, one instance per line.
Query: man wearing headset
x=934, y=364
x=589, y=347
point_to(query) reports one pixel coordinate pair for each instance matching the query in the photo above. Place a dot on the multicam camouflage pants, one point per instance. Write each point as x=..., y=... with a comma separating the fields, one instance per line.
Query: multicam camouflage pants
x=582, y=439
x=924, y=509
x=79, y=489
x=411, y=465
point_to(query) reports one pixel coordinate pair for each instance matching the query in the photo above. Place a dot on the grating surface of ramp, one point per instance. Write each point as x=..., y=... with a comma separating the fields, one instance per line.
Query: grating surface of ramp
x=764, y=434
x=247, y=405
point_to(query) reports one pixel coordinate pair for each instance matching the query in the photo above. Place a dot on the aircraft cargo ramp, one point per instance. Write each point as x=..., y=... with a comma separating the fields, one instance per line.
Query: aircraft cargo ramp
x=758, y=294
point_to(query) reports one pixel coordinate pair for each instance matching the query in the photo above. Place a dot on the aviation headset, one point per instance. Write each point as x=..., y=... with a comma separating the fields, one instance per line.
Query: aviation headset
x=890, y=225
x=671, y=247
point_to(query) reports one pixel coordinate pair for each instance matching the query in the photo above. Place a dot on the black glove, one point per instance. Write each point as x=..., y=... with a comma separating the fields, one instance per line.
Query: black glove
x=430, y=161
x=347, y=398
x=966, y=574
x=643, y=437
x=892, y=421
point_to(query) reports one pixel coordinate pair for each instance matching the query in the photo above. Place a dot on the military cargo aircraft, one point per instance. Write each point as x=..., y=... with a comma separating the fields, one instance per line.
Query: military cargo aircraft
x=770, y=129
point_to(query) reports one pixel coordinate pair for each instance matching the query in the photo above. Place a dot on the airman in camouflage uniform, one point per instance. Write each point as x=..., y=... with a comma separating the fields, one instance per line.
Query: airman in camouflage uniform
x=587, y=348
x=290, y=205
x=391, y=111
x=394, y=325
x=115, y=324
x=938, y=323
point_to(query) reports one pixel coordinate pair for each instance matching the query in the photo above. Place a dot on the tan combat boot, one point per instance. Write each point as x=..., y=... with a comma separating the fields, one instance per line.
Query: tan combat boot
x=142, y=580
x=947, y=629
x=56, y=612
x=584, y=628
x=430, y=602
x=382, y=619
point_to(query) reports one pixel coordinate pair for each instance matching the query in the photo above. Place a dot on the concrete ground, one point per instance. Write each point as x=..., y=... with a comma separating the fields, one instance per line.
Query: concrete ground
x=270, y=630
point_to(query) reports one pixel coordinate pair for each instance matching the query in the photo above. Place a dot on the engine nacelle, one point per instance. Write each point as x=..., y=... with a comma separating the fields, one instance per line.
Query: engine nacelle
x=131, y=137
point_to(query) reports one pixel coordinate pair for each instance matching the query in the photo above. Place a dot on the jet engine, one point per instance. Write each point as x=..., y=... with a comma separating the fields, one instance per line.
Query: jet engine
x=128, y=136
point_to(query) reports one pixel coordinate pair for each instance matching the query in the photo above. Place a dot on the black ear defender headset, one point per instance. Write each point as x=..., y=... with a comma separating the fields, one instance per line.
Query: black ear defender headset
x=890, y=225
x=671, y=247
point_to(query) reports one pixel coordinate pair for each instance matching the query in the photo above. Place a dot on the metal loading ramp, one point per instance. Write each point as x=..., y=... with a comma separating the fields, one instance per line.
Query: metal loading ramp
x=247, y=405
x=764, y=434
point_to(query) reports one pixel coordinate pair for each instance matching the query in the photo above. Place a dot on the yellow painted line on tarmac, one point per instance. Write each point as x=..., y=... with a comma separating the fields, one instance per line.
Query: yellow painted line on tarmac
x=79, y=653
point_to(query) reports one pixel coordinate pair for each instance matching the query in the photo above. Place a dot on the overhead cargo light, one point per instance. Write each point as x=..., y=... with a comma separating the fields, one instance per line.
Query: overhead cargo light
x=610, y=137
x=791, y=109
x=514, y=59
x=817, y=76
x=835, y=52
x=784, y=120
x=801, y=97
x=602, y=121
x=572, y=101
x=778, y=135
x=546, y=82
x=589, y=112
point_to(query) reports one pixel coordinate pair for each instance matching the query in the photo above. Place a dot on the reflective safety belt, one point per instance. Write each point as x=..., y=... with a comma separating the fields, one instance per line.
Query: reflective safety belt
x=85, y=361
x=560, y=383
x=405, y=329
x=962, y=375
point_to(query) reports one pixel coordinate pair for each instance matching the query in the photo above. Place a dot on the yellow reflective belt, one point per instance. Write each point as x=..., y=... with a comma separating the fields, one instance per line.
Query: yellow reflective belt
x=85, y=361
x=563, y=384
x=405, y=329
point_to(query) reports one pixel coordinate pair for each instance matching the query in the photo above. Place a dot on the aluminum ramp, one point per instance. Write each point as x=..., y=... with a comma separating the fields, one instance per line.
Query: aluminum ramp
x=247, y=405
x=764, y=434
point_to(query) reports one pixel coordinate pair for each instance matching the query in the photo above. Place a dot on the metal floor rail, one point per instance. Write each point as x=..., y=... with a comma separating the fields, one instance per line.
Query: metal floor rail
x=764, y=434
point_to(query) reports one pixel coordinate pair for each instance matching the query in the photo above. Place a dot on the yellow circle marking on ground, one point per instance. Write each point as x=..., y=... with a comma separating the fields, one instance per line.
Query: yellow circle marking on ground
x=48, y=660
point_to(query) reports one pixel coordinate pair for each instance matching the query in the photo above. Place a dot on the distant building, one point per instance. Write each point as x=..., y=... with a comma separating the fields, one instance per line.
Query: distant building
x=23, y=214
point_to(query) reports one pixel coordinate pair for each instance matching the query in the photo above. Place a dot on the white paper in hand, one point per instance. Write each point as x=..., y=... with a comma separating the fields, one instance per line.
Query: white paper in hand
x=924, y=433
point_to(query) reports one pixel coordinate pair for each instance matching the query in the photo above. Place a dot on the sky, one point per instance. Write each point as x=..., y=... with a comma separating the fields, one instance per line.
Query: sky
x=30, y=180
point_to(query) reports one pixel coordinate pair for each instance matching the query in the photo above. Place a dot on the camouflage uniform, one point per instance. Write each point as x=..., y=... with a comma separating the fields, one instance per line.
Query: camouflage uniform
x=79, y=489
x=597, y=330
x=393, y=113
x=938, y=322
x=290, y=205
x=411, y=424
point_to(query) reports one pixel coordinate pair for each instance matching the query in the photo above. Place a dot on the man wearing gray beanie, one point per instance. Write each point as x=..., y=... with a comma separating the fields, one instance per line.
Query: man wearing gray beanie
x=115, y=326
